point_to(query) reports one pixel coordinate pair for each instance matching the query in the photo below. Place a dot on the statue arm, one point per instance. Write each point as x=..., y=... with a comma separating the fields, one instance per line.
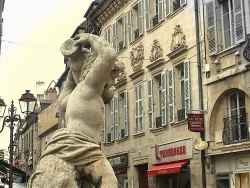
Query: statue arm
x=68, y=88
x=104, y=61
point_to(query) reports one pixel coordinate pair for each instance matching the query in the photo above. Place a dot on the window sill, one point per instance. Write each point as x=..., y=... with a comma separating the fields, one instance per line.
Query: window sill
x=155, y=130
x=108, y=143
x=175, y=12
x=122, y=139
x=136, y=40
x=179, y=123
x=152, y=29
x=139, y=134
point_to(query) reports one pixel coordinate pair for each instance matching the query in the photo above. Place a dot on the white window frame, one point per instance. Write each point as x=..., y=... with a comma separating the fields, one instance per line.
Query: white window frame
x=138, y=108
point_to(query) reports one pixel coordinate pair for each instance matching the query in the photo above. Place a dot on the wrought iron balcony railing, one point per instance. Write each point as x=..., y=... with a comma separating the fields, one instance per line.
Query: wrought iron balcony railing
x=235, y=129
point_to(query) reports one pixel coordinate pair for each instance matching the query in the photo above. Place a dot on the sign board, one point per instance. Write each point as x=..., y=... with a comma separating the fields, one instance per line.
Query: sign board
x=174, y=151
x=196, y=122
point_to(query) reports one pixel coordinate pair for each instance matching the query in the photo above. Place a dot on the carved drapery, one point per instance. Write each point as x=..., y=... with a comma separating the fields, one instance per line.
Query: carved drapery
x=137, y=56
x=178, y=38
x=156, y=51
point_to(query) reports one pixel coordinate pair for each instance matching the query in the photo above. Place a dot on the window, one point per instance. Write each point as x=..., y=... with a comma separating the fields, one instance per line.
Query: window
x=108, y=35
x=135, y=22
x=138, y=108
x=235, y=125
x=225, y=24
x=223, y=181
x=183, y=88
x=154, y=12
x=121, y=33
x=157, y=93
x=173, y=5
x=118, y=118
x=171, y=94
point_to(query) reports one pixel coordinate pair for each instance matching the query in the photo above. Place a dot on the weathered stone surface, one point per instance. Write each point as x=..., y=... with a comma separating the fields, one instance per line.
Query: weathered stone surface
x=73, y=155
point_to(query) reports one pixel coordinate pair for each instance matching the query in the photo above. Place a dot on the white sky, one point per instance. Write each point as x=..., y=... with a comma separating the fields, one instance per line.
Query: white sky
x=33, y=32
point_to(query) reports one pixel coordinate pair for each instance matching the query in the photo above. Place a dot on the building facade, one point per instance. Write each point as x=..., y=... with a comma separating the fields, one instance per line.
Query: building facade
x=145, y=134
x=227, y=82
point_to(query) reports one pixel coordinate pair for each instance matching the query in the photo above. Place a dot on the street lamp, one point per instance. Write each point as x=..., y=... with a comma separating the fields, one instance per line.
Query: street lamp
x=27, y=105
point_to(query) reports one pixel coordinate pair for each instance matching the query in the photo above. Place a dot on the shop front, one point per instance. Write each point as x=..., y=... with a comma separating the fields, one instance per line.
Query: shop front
x=232, y=170
x=171, y=167
x=119, y=164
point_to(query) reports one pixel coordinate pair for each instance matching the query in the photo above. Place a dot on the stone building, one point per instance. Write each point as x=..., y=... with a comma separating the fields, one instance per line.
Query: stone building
x=227, y=62
x=145, y=134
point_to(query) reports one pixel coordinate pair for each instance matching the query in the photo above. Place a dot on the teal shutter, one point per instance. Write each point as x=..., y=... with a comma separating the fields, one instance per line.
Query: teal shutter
x=147, y=14
x=239, y=21
x=140, y=18
x=126, y=113
x=130, y=26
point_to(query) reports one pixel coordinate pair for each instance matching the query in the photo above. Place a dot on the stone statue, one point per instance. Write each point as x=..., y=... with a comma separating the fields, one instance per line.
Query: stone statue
x=73, y=157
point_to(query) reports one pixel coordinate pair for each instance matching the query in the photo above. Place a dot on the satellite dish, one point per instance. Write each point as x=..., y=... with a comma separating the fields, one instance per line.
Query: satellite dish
x=200, y=145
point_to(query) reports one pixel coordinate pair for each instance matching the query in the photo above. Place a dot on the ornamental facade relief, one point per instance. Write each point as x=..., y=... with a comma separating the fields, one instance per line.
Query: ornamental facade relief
x=137, y=56
x=178, y=38
x=156, y=51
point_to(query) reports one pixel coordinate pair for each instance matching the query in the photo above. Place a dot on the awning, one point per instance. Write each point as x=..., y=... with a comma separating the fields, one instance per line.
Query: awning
x=169, y=168
x=6, y=166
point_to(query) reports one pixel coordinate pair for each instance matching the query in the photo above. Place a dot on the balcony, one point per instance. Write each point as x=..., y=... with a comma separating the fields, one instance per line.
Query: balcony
x=121, y=46
x=155, y=20
x=235, y=129
x=181, y=114
x=136, y=33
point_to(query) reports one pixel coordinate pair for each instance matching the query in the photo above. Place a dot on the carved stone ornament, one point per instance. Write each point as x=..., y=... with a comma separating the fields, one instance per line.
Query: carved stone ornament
x=246, y=51
x=156, y=51
x=137, y=56
x=122, y=74
x=178, y=38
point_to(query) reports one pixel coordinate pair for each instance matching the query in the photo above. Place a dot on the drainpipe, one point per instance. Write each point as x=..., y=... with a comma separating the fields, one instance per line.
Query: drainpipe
x=202, y=134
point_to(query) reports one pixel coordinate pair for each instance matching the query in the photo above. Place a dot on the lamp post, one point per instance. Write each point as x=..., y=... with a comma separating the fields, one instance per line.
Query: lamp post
x=27, y=105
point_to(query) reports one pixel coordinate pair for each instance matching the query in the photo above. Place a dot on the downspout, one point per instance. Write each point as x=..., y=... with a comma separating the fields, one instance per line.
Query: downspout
x=202, y=134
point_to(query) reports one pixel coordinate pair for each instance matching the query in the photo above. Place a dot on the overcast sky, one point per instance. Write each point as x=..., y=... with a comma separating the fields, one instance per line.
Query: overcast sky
x=33, y=32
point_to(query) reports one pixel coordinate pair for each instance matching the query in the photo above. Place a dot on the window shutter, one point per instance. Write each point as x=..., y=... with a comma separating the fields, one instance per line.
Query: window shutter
x=171, y=95
x=129, y=26
x=140, y=18
x=239, y=21
x=167, y=7
x=116, y=105
x=163, y=99
x=124, y=31
x=183, y=2
x=211, y=27
x=147, y=14
x=126, y=112
x=150, y=105
x=112, y=119
x=104, y=125
x=138, y=113
x=107, y=35
x=114, y=36
x=186, y=87
x=160, y=10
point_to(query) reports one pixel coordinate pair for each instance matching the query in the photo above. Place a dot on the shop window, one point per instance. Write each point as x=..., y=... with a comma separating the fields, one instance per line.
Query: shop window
x=225, y=24
x=223, y=181
x=235, y=125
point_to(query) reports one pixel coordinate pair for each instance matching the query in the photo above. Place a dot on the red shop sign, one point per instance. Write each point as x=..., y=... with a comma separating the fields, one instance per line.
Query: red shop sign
x=196, y=122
